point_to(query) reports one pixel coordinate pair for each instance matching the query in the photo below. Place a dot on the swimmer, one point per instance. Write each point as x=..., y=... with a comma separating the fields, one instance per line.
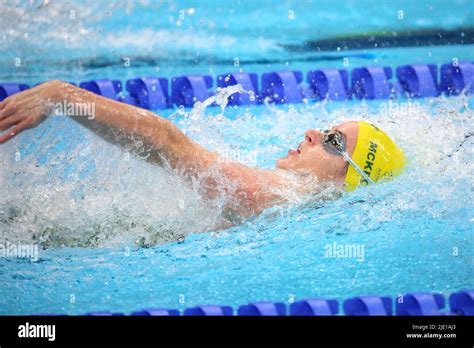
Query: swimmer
x=346, y=156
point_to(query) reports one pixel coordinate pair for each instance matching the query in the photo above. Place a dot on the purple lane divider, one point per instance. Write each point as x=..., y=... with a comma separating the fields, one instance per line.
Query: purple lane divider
x=371, y=82
x=282, y=87
x=262, y=308
x=331, y=84
x=420, y=303
x=462, y=302
x=249, y=82
x=104, y=87
x=150, y=93
x=186, y=90
x=209, y=310
x=8, y=89
x=418, y=80
x=156, y=312
x=312, y=307
x=368, y=305
x=456, y=78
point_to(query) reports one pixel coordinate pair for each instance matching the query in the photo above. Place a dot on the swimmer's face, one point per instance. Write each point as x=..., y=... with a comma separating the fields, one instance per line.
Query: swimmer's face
x=311, y=156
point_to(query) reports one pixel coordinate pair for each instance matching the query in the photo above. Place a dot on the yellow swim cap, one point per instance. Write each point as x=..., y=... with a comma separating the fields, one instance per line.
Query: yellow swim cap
x=376, y=154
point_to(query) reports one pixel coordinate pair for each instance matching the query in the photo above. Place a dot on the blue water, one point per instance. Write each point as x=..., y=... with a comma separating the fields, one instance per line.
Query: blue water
x=83, y=40
x=416, y=232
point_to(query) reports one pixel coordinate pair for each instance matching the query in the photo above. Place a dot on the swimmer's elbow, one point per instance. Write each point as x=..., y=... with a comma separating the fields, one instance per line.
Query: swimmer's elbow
x=179, y=150
x=168, y=137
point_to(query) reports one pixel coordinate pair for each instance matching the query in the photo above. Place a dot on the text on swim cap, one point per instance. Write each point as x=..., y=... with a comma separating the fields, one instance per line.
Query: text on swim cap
x=369, y=162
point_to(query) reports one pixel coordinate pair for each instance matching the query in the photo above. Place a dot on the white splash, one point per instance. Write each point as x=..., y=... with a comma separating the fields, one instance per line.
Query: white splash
x=221, y=98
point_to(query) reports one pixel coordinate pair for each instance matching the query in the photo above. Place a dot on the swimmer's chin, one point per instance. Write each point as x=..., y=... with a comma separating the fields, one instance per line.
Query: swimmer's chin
x=283, y=163
x=280, y=164
x=288, y=164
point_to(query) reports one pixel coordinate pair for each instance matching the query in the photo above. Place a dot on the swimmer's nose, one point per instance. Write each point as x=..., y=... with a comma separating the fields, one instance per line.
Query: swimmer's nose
x=313, y=137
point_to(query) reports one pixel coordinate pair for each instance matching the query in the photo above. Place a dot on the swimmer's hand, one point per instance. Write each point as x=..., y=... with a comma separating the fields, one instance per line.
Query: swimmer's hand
x=27, y=109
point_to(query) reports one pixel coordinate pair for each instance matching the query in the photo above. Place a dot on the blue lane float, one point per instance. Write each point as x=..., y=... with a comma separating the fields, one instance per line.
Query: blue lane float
x=155, y=312
x=420, y=303
x=104, y=314
x=368, y=305
x=371, y=82
x=282, y=87
x=8, y=89
x=150, y=93
x=332, y=84
x=264, y=308
x=462, y=302
x=186, y=90
x=413, y=81
x=418, y=80
x=107, y=88
x=249, y=82
x=209, y=311
x=104, y=87
x=457, y=77
x=313, y=307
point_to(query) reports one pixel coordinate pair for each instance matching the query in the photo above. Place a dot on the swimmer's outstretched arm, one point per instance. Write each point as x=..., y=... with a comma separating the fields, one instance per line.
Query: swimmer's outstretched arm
x=119, y=123
x=124, y=125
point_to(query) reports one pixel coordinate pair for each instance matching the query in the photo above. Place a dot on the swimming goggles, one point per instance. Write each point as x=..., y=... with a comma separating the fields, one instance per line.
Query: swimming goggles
x=335, y=143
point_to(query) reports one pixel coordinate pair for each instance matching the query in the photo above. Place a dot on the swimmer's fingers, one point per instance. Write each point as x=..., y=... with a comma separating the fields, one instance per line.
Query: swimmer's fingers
x=7, y=111
x=12, y=111
x=10, y=104
x=14, y=131
x=3, y=103
x=18, y=100
x=10, y=121
x=6, y=102
x=28, y=117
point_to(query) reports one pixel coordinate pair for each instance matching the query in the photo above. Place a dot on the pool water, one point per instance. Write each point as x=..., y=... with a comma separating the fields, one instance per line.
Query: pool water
x=120, y=234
